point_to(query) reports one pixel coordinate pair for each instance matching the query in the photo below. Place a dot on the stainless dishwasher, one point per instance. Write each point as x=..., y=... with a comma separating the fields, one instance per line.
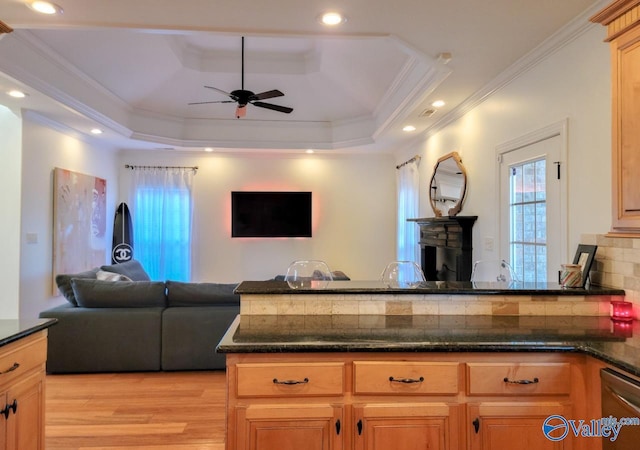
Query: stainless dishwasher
x=621, y=406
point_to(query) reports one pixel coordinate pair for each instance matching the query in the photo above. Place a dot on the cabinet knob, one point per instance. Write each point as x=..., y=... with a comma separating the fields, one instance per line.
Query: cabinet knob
x=14, y=405
x=5, y=411
x=476, y=424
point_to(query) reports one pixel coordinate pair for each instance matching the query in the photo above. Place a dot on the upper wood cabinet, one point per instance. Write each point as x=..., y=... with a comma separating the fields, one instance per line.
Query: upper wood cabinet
x=622, y=19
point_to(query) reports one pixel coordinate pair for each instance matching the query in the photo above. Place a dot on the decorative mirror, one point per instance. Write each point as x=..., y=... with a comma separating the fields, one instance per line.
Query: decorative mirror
x=448, y=185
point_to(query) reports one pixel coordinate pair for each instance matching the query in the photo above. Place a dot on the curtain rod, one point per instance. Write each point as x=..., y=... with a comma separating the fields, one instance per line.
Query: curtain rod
x=128, y=166
x=415, y=158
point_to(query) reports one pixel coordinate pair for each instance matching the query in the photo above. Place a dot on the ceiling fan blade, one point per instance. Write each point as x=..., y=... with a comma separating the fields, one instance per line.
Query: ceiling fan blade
x=222, y=92
x=205, y=103
x=283, y=109
x=266, y=95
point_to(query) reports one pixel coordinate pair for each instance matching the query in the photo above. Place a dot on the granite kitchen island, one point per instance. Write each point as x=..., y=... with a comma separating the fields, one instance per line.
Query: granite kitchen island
x=357, y=366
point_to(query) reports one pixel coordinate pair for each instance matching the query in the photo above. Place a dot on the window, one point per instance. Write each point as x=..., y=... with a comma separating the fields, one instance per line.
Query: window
x=528, y=221
x=162, y=215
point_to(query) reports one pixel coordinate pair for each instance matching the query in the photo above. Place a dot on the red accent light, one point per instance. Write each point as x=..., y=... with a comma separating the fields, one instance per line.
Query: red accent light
x=621, y=311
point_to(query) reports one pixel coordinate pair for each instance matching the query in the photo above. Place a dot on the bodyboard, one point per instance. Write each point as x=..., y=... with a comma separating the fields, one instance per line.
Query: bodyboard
x=122, y=248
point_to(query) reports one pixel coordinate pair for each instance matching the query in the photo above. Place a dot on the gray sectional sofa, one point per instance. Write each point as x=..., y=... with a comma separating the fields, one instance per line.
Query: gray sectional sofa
x=117, y=320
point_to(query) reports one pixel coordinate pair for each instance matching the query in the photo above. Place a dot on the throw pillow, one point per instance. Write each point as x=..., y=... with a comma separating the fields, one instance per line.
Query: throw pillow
x=110, y=276
x=118, y=294
x=63, y=281
x=198, y=294
x=132, y=269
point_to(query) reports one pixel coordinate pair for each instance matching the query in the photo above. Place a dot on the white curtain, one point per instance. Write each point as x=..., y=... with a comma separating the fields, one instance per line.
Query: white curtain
x=162, y=210
x=408, y=232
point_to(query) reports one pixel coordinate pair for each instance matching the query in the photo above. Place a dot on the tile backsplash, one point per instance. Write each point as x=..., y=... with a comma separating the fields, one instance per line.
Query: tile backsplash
x=617, y=265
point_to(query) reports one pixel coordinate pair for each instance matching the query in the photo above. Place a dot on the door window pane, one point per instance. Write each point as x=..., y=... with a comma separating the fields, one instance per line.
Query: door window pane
x=528, y=219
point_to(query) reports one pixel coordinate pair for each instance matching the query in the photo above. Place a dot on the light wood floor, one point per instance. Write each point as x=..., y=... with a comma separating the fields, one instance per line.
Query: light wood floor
x=142, y=411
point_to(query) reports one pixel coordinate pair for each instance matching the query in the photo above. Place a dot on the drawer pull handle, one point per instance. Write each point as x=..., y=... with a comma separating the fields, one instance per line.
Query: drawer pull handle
x=534, y=381
x=11, y=369
x=406, y=380
x=290, y=382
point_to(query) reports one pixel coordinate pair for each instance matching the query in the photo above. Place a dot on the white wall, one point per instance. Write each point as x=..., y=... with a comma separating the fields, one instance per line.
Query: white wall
x=10, y=137
x=43, y=149
x=354, y=210
x=573, y=84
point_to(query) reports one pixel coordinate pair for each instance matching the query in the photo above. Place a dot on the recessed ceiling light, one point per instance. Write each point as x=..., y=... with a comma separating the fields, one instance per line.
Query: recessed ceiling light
x=208, y=149
x=332, y=19
x=45, y=7
x=16, y=94
x=309, y=150
x=438, y=104
x=409, y=128
x=96, y=131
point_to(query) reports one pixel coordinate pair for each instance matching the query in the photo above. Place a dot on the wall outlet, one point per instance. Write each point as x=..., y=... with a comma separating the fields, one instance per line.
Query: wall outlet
x=488, y=244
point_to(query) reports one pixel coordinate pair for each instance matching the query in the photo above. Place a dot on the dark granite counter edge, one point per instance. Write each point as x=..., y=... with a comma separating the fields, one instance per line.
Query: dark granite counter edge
x=227, y=345
x=26, y=329
x=429, y=288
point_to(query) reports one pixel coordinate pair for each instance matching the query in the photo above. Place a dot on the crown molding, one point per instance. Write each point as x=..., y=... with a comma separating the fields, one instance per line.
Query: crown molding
x=574, y=29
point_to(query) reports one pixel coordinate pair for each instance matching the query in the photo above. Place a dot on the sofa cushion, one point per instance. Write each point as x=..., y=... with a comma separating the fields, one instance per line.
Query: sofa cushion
x=131, y=269
x=111, y=276
x=118, y=294
x=64, y=283
x=200, y=294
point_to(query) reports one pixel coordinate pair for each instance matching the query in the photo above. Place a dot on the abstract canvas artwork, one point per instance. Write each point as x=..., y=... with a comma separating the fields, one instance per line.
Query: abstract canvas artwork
x=80, y=222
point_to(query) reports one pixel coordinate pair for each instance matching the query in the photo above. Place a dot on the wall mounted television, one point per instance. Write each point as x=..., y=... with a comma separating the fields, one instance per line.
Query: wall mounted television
x=270, y=214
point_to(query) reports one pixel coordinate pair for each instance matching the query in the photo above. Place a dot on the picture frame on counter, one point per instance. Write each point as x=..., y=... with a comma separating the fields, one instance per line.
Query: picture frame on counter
x=584, y=257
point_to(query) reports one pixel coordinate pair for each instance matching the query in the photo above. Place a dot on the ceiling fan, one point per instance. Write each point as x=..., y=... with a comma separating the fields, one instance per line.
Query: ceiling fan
x=243, y=97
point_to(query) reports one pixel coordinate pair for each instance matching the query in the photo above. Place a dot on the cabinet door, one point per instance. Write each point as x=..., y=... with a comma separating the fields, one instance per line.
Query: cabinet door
x=25, y=425
x=507, y=426
x=290, y=427
x=408, y=426
x=626, y=131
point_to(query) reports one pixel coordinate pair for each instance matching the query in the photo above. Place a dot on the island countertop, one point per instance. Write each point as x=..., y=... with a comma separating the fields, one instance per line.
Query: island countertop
x=13, y=329
x=272, y=287
x=615, y=343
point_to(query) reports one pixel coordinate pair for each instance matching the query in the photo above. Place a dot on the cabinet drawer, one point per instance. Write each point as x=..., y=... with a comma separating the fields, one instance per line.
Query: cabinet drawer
x=405, y=378
x=21, y=356
x=285, y=379
x=519, y=379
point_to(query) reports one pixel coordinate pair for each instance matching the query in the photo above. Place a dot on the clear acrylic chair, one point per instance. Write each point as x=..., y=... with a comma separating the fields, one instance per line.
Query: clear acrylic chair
x=493, y=271
x=402, y=274
x=308, y=274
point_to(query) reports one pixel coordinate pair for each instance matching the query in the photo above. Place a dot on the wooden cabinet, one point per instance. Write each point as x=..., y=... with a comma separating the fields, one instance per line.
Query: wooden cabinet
x=622, y=19
x=290, y=426
x=406, y=405
x=498, y=421
x=407, y=425
x=401, y=401
x=286, y=405
x=22, y=380
x=507, y=425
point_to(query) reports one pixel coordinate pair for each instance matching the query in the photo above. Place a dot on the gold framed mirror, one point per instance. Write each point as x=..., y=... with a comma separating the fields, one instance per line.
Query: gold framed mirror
x=448, y=185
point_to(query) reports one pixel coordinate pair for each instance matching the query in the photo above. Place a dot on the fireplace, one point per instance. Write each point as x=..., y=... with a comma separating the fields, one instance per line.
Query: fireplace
x=446, y=247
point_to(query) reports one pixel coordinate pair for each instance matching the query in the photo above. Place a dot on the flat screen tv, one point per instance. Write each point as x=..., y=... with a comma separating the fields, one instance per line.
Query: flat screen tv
x=270, y=214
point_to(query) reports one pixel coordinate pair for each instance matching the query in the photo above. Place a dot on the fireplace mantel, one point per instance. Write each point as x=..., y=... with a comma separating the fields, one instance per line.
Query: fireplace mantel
x=446, y=245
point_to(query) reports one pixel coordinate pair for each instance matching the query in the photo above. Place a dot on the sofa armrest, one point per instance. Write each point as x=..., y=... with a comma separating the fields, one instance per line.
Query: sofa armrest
x=103, y=339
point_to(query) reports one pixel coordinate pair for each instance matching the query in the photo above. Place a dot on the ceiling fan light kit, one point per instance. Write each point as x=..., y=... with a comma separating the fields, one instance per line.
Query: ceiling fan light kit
x=244, y=97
